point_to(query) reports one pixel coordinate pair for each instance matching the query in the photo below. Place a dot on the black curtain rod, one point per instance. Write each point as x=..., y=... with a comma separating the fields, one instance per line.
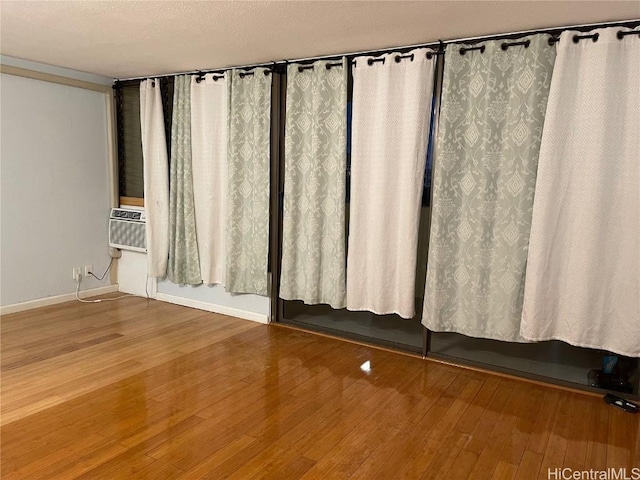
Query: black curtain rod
x=437, y=46
x=553, y=31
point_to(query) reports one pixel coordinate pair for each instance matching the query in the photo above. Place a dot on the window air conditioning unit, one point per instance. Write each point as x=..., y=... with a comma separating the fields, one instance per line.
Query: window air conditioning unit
x=127, y=229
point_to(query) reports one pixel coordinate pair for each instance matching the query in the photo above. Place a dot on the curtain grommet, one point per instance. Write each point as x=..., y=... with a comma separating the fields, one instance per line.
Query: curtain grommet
x=371, y=61
x=594, y=37
x=621, y=33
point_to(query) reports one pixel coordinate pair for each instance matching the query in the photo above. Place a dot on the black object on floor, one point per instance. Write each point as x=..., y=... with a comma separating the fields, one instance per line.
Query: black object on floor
x=610, y=381
x=621, y=403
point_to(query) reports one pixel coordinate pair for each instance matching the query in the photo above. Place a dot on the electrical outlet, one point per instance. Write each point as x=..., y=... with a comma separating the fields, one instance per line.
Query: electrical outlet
x=87, y=270
x=76, y=273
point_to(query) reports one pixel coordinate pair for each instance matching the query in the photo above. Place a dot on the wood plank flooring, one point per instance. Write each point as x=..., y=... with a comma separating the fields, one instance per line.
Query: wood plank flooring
x=139, y=389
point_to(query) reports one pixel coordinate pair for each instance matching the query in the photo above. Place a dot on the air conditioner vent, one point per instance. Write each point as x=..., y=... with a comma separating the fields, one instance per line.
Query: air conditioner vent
x=126, y=214
x=127, y=229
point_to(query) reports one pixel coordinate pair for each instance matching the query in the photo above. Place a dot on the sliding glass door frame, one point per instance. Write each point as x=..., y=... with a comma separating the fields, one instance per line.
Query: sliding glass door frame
x=278, y=120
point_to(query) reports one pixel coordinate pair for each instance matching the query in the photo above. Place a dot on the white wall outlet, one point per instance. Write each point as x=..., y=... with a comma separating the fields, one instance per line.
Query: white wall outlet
x=88, y=269
x=76, y=273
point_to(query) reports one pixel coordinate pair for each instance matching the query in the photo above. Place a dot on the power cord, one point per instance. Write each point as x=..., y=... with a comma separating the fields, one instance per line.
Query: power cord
x=78, y=280
x=98, y=300
x=146, y=285
x=101, y=278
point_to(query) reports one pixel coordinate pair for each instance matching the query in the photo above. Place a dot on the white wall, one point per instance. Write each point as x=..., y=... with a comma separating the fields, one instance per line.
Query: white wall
x=214, y=298
x=54, y=187
x=132, y=274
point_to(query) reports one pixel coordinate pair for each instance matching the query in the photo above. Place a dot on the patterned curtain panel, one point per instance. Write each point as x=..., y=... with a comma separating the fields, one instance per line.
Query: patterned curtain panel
x=184, y=265
x=492, y=113
x=247, y=239
x=313, y=250
x=583, y=271
x=156, y=177
x=391, y=111
x=209, y=161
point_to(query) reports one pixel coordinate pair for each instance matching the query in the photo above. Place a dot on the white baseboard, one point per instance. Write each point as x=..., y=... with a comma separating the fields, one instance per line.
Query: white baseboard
x=210, y=307
x=45, y=302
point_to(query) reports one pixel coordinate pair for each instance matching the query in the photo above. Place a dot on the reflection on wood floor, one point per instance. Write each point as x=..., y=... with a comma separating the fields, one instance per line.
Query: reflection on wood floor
x=140, y=389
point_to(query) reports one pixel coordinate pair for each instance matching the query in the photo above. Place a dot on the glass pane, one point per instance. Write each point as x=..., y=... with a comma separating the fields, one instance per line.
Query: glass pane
x=553, y=359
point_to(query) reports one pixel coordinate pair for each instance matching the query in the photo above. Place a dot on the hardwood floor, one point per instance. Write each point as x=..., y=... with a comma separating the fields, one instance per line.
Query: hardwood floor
x=139, y=389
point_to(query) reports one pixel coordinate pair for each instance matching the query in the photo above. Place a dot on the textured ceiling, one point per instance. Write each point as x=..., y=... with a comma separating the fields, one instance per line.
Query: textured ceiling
x=134, y=38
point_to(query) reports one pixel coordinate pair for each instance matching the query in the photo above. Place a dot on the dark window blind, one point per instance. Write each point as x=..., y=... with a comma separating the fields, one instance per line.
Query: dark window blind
x=130, y=165
x=129, y=141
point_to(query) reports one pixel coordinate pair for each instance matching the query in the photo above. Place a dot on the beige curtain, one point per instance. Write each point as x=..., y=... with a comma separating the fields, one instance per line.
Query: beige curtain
x=156, y=177
x=209, y=126
x=583, y=270
x=391, y=105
